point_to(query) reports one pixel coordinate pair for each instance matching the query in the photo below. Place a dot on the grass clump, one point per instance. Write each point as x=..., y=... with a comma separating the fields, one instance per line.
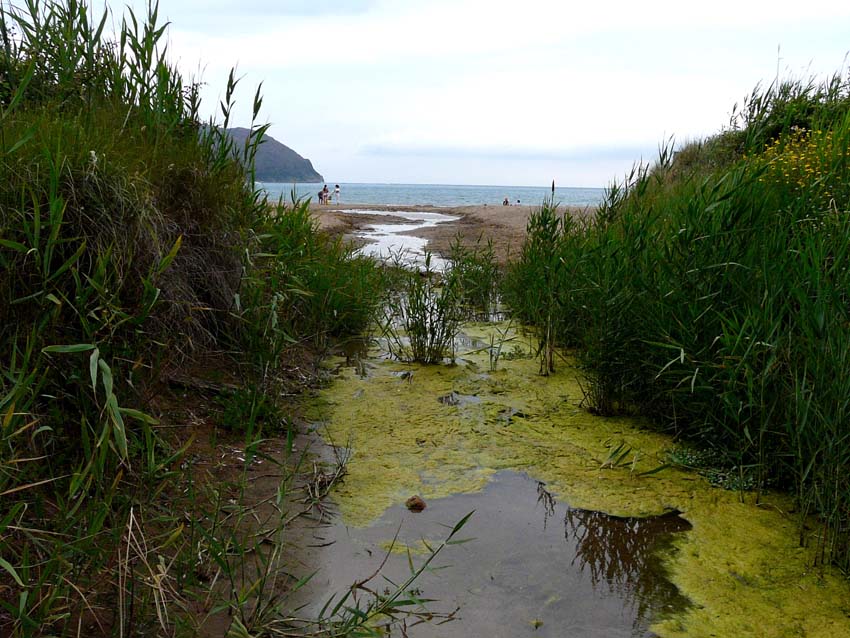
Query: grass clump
x=425, y=308
x=709, y=293
x=423, y=313
x=132, y=241
x=478, y=276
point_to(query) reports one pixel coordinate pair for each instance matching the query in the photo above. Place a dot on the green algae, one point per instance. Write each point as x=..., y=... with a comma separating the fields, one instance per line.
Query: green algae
x=420, y=548
x=740, y=565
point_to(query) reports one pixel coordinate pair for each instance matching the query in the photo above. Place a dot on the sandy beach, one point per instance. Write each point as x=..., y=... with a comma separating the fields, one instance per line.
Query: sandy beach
x=503, y=225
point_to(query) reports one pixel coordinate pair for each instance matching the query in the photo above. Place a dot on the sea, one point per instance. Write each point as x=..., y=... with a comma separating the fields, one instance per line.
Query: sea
x=443, y=195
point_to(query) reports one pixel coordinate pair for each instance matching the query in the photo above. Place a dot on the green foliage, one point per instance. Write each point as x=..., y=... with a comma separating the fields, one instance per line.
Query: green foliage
x=538, y=287
x=477, y=275
x=715, y=467
x=787, y=105
x=714, y=300
x=128, y=233
x=701, y=157
x=247, y=410
x=315, y=285
x=764, y=117
x=423, y=312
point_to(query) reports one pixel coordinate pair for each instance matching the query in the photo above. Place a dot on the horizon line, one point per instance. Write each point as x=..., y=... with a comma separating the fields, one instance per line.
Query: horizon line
x=546, y=186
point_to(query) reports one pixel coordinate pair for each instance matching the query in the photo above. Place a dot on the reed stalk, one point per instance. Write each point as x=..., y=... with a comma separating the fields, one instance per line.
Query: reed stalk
x=710, y=294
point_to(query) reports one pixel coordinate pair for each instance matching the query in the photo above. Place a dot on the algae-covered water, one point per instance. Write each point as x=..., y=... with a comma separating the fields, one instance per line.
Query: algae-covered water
x=567, y=538
x=529, y=564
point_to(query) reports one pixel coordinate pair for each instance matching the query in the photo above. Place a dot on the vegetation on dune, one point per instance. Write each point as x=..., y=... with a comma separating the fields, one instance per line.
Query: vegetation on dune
x=710, y=293
x=131, y=243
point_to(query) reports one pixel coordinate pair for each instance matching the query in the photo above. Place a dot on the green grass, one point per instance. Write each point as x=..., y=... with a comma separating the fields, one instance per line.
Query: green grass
x=422, y=314
x=320, y=287
x=132, y=241
x=710, y=294
x=478, y=276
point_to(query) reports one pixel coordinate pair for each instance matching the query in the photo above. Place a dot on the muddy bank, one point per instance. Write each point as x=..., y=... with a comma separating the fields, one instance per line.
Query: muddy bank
x=739, y=566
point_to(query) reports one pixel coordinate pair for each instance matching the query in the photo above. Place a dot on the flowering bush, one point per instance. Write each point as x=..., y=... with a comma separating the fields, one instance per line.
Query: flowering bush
x=808, y=164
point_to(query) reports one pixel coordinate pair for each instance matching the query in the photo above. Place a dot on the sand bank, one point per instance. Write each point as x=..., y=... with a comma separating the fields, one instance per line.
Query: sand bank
x=503, y=225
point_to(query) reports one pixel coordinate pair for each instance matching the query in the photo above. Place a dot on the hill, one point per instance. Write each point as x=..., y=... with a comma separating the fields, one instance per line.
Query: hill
x=276, y=162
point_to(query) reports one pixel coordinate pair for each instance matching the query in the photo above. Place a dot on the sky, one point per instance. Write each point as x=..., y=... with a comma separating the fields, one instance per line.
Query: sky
x=491, y=92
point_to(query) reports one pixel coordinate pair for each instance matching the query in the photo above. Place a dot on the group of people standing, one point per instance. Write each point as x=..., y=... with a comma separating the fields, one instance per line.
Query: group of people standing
x=325, y=195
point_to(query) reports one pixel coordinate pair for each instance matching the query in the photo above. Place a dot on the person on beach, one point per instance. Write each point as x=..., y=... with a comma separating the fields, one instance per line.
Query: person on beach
x=321, y=197
x=506, y=202
x=517, y=203
x=336, y=194
x=326, y=195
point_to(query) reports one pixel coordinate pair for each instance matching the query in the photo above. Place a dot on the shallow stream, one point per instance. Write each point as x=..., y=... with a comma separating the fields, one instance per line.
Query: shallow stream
x=393, y=241
x=527, y=563
x=580, y=525
x=568, y=538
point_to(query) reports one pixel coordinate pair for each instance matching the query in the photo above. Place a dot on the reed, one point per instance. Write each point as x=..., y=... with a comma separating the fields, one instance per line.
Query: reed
x=537, y=288
x=423, y=313
x=710, y=294
x=132, y=239
x=477, y=275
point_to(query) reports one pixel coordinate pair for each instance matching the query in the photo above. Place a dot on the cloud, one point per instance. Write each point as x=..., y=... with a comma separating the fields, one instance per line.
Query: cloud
x=589, y=153
x=212, y=14
x=340, y=35
x=386, y=87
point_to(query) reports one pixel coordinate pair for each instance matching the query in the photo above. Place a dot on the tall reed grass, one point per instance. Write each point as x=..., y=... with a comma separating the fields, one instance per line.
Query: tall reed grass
x=132, y=238
x=422, y=313
x=477, y=275
x=710, y=293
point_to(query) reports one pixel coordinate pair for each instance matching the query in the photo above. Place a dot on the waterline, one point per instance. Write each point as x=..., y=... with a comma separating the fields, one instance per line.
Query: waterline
x=443, y=195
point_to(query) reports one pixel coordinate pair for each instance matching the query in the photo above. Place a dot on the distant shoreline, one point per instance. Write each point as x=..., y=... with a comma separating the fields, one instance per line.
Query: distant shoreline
x=290, y=183
x=439, y=195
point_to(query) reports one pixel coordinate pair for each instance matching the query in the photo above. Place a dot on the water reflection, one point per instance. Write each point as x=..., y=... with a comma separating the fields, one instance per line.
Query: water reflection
x=620, y=556
x=545, y=498
x=599, y=575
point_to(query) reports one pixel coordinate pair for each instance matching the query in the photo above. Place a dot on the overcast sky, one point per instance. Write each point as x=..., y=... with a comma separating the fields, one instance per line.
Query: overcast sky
x=490, y=92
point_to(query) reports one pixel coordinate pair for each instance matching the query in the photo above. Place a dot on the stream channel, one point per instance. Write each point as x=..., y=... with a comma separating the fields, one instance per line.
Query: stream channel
x=577, y=529
x=392, y=240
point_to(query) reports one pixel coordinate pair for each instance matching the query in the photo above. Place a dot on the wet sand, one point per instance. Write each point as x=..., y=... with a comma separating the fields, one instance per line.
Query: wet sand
x=503, y=225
